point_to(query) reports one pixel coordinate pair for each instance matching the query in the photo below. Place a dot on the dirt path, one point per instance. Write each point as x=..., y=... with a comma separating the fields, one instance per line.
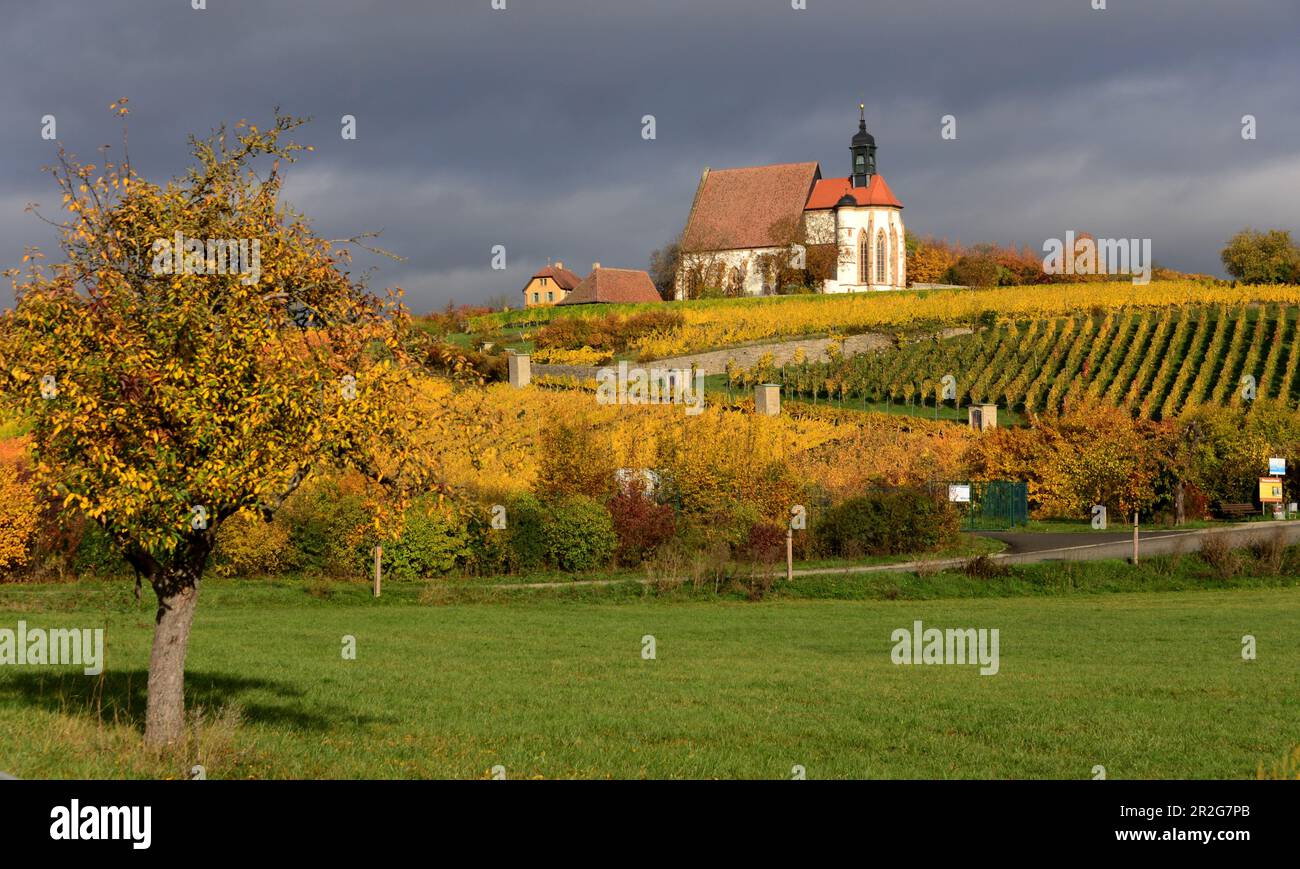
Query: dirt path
x=746, y=357
x=814, y=349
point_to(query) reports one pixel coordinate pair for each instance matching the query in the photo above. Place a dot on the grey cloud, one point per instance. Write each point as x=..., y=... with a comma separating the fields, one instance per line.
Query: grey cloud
x=522, y=127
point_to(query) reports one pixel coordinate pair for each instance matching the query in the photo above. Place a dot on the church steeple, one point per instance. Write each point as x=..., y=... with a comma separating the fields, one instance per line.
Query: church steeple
x=863, y=150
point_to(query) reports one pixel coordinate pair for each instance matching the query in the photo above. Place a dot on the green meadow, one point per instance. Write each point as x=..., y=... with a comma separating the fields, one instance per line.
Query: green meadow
x=446, y=684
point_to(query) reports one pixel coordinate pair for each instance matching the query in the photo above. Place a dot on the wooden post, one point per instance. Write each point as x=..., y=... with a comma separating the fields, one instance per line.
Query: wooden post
x=789, y=555
x=379, y=554
x=1135, y=538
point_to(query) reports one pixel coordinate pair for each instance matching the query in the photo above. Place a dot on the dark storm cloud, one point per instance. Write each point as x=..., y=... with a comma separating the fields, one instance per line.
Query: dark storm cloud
x=479, y=127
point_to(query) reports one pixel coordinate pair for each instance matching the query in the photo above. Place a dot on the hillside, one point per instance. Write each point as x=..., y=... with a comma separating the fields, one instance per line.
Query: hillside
x=714, y=324
x=1156, y=363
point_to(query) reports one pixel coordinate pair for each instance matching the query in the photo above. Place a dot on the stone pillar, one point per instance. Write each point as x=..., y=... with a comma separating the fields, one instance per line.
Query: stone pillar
x=521, y=369
x=983, y=416
x=767, y=399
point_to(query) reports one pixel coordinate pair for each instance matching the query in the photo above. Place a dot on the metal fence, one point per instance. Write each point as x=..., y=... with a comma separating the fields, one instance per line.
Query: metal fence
x=994, y=505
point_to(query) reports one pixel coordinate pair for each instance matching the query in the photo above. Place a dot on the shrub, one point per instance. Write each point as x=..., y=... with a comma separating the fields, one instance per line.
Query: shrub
x=887, y=523
x=578, y=534
x=984, y=567
x=612, y=333
x=642, y=526
x=1219, y=556
x=524, y=526
x=488, y=548
x=765, y=544
x=1269, y=554
x=19, y=515
x=248, y=545
x=433, y=540
x=574, y=460
x=328, y=524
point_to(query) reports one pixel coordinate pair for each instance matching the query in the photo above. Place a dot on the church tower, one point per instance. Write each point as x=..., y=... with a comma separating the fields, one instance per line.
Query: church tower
x=864, y=151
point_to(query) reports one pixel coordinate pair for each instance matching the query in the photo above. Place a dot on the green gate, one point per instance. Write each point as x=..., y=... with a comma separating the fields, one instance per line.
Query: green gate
x=995, y=505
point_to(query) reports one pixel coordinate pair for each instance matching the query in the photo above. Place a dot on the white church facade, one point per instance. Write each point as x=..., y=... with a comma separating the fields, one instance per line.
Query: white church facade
x=746, y=223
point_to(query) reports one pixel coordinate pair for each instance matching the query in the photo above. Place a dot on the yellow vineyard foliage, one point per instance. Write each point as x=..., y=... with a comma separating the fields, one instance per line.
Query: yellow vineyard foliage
x=709, y=326
x=506, y=444
x=581, y=356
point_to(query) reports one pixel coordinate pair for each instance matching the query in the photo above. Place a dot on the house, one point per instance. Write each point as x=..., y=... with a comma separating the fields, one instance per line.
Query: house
x=549, y=286
x=747, y=225
x=613, y=285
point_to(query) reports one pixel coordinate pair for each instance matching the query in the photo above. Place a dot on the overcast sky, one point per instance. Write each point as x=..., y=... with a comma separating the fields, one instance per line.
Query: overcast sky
x=522, y=127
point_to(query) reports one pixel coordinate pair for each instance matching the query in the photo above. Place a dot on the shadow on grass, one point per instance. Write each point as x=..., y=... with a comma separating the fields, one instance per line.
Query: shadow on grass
x=119, y=697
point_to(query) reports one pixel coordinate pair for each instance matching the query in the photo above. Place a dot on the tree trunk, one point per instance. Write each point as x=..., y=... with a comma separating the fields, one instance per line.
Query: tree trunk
x=1180, y=508
x=178, y=595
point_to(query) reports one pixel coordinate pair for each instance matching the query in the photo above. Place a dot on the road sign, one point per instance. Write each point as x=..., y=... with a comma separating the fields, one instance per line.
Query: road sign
x=1270, y=490
x=1277, y=467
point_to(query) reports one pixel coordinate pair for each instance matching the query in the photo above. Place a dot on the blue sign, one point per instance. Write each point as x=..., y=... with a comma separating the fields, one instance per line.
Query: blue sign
x=1277, y=467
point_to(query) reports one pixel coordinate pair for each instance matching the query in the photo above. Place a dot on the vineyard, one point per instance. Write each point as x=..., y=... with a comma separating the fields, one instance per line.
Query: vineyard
x=712, y=324
x=1155, y=363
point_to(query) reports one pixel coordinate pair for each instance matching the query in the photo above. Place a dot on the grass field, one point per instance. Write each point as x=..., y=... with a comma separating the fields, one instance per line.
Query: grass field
x=1148, y=685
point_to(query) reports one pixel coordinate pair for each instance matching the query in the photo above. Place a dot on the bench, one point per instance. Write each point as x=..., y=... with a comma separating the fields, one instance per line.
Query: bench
x=1237, y=511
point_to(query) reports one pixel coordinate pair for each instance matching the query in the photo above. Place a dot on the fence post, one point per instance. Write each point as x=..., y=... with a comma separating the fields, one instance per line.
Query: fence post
x=1135, y=538
x=789, y=555
x=379, y=554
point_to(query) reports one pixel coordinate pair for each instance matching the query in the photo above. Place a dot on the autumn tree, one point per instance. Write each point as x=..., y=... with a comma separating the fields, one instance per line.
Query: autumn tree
x=928, y=260
x=196, y=352
x=664, y=265
x=1262, y=257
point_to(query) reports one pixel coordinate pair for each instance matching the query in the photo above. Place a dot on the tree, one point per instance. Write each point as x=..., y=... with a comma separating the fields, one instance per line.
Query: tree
x=664, y=264
x=928, y=260
x=174, y=381
x=976, y=270
x=1262, y=257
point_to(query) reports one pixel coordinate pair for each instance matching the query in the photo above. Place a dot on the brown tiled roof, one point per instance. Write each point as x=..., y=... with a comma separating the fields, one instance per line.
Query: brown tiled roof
x=829, y=191
x=613, y=285
x=564, y=279
x=738, y=208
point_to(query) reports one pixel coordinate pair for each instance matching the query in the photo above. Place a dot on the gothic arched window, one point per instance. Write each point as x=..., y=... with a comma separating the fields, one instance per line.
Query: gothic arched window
x=864, y=267
x=881, y=253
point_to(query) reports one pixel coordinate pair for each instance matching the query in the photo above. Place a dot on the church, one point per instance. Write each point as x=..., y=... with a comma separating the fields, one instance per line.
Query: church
x=748, y=227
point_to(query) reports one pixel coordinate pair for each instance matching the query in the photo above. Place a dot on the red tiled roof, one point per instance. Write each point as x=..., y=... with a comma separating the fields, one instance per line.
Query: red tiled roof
x=739, y=208
x=829, y=191
x=564, y=279
x=613, y=285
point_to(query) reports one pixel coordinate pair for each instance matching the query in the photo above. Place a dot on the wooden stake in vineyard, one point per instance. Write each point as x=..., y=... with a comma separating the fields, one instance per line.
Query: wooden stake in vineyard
x=379, y=556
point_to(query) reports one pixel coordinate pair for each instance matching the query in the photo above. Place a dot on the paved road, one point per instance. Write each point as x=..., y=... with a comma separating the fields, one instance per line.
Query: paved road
x=1081, y=546
x=1090, y=547
x=1027, y=541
